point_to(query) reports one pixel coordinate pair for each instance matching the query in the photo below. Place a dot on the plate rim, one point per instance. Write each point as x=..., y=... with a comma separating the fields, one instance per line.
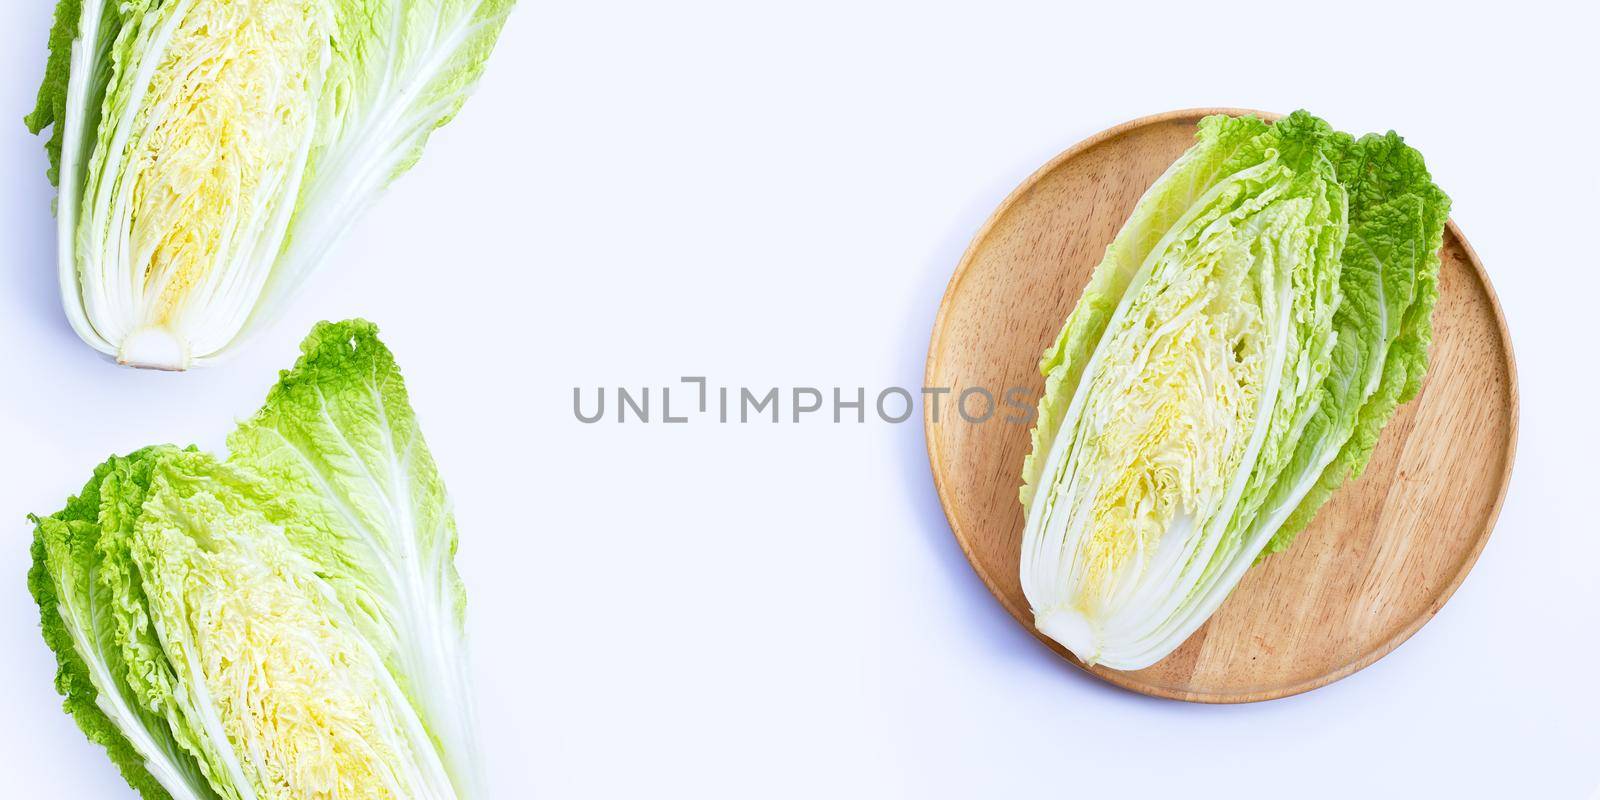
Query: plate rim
x=1122, y=679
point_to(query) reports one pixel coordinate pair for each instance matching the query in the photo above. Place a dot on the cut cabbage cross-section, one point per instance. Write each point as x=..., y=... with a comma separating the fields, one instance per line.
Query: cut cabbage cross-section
x=208, y=153
x=1211, y=379
x=189, y=195
x=286, y=624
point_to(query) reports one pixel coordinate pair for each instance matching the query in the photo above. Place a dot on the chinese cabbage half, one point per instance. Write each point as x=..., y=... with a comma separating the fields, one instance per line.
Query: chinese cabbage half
x=1248, y=333
x=286, y=623
x=208, y=153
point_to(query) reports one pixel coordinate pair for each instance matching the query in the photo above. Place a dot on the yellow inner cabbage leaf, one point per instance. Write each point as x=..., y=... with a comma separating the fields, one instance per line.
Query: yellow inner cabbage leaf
x=227, y=110
x=1169, y=414
x=299, y=697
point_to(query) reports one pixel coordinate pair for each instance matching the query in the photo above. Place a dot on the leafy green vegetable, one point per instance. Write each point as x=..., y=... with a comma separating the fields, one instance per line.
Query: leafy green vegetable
x=208, y=153
x=338, y=438
x=1236, y=354
x=287, y=623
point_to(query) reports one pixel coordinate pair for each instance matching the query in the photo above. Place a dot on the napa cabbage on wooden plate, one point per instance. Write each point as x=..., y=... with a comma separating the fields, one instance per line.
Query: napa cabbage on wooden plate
x=1231, y=362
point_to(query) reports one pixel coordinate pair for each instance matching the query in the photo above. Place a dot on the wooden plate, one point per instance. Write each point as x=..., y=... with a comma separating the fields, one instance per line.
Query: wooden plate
x=1382, y=556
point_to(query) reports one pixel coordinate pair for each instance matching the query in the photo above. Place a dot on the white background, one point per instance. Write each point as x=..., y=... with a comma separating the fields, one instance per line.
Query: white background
x=769, y=194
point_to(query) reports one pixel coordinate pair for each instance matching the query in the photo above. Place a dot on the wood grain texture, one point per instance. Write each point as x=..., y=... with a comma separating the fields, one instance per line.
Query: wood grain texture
x=1382, y=556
